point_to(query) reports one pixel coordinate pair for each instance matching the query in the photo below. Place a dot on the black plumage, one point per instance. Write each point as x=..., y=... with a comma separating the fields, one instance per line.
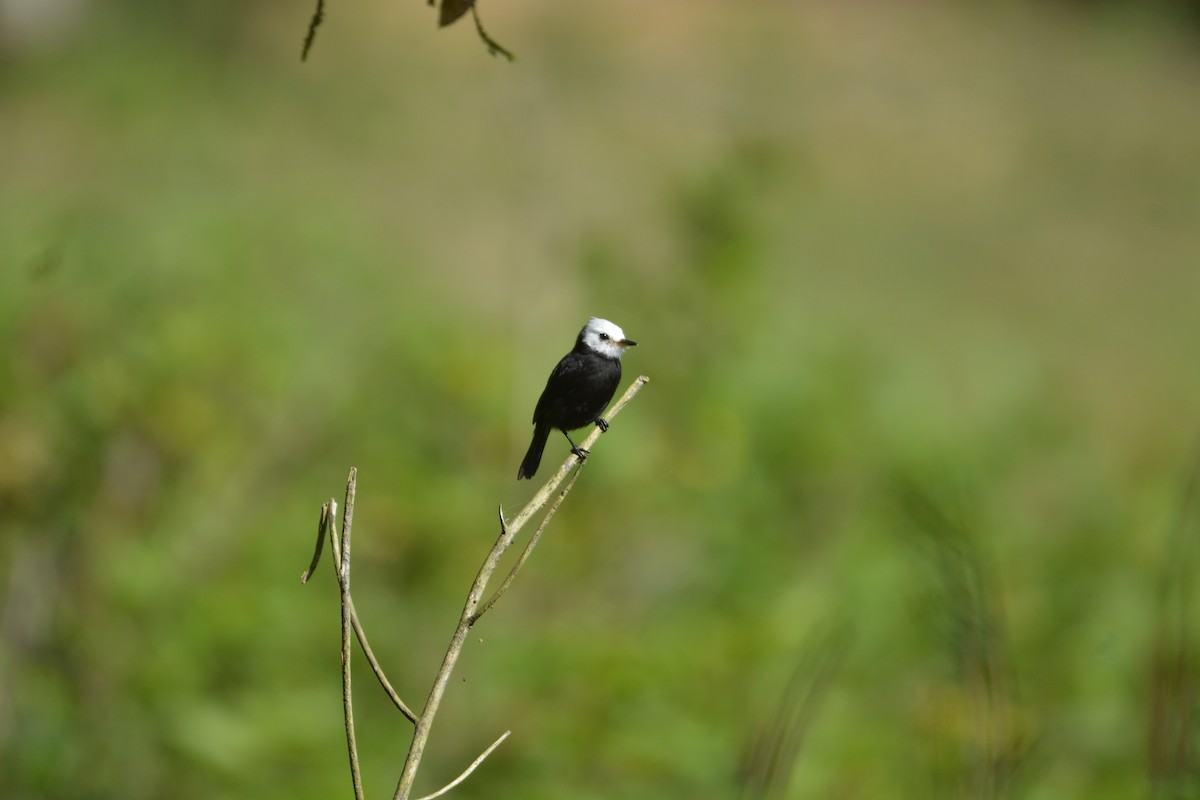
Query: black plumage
x=579, y=389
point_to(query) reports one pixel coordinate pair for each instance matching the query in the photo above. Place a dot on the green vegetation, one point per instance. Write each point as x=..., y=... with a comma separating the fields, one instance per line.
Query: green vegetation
x=903, y=512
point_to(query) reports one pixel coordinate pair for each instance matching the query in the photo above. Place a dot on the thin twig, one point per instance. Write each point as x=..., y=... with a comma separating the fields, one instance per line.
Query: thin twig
x=312, y=565
x=533, y=540
x=508, y=530
x=377, y=669
x=469, y=769
x=494, y=47
x=313, y=23
x=421, y=734
x=347, y=526
x=359, y=633
x=343, y=567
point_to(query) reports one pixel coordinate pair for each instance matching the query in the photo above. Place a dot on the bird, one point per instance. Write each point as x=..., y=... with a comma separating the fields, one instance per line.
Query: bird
x=578, y=390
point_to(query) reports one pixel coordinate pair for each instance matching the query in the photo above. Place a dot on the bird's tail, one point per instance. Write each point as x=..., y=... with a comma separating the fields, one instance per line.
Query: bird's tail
x=533, y=456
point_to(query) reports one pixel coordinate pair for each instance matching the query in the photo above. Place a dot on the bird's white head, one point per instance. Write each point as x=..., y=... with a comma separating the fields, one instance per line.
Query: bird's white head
x=604, y=338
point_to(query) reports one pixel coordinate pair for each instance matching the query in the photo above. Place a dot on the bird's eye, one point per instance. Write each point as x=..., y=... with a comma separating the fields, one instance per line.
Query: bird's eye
x=604, y=336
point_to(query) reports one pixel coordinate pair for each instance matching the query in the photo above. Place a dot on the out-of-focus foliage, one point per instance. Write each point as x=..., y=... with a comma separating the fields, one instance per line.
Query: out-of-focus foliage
x=903, y=512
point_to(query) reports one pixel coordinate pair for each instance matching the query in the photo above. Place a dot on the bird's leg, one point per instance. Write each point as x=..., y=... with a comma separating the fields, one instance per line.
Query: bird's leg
x=603, y=423
x=576, y=449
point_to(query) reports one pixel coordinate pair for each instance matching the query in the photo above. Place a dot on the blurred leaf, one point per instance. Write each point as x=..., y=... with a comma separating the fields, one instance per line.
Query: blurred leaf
x=450, y=10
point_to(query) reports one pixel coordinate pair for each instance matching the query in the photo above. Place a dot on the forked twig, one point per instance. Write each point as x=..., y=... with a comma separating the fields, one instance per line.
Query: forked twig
x=359, y=633
x=473, y=609
x=533, y=540
x=425, y=721
x=508, y=531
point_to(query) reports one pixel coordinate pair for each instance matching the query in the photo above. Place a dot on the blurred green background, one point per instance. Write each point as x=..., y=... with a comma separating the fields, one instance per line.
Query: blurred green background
x=904, y=512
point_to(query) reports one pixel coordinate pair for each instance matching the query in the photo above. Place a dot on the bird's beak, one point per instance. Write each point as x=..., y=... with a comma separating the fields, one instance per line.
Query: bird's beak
x=627, y=343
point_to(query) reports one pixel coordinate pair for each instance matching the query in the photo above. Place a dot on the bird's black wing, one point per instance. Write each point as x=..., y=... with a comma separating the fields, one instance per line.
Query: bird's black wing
x=578, y=390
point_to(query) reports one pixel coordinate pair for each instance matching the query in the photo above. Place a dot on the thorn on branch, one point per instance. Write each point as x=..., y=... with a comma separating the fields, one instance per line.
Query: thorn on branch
x=533, y=540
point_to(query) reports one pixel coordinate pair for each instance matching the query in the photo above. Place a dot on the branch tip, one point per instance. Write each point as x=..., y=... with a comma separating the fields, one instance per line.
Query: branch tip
x=494, y=47
x=469, y=769
x=321, y=523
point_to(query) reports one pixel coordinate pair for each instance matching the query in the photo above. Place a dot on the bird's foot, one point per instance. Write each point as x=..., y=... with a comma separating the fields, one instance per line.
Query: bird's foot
x=603, y=423
x=579, y=451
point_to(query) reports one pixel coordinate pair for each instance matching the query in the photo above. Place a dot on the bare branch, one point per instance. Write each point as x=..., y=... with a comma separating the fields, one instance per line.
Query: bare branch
x=533, y=540
x=347, y=527
x=508, y=530
x=313, y=23
x=343, y=570
x=469, y=769
x=425, y=721
x=472, y=609
x=359, y=633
